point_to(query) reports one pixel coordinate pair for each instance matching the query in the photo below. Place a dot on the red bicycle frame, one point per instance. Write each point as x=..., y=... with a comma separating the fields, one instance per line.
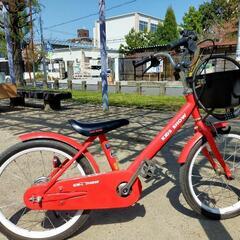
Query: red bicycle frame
x=103, y=190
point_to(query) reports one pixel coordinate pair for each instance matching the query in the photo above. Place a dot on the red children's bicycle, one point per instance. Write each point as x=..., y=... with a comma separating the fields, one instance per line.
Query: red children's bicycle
x=51, y=182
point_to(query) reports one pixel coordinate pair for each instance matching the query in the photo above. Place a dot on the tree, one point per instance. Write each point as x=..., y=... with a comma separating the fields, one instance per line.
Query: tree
x=192, y=20
x=158, y=37
x=216, y=19
x=170, y=27
x=167, y=31
x=134, y=40
x=218, y=12
x=19, y=24
x=3, y=48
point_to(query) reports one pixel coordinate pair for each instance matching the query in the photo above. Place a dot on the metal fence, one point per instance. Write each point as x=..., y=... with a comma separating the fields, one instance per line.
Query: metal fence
x=127, y=72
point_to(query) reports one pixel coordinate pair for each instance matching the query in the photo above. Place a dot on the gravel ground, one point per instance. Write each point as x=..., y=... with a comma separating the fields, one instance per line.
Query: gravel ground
x=161, y=213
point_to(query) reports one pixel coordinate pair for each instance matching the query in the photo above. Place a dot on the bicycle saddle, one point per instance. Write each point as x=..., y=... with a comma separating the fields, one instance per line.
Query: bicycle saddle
x=94, y=129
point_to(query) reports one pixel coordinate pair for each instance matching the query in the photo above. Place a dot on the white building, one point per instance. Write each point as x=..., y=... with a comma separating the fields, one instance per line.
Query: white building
x=119, y=26
x=85, y=59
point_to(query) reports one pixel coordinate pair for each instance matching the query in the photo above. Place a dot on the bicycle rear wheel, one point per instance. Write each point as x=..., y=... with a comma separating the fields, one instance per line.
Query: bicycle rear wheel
x=209, y=192
x=26, y=164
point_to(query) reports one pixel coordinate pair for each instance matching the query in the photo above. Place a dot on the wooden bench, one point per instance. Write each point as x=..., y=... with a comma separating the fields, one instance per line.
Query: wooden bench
x=7, y=90
x=52, y=99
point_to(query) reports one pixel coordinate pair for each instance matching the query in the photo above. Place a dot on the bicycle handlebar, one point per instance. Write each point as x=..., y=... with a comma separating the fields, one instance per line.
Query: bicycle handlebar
x=181, y=42
x=153, y=58
x=141, y=62
x=188, y=41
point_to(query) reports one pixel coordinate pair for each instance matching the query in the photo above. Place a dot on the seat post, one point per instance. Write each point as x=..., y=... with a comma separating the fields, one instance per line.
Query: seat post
x=108, y=152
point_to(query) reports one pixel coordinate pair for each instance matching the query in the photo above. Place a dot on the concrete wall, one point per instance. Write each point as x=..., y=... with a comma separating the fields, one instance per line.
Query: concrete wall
x=142, y=88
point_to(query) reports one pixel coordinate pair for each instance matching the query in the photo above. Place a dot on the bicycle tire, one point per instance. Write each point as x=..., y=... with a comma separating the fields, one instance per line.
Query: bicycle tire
x=79, y=217
x=193, y=183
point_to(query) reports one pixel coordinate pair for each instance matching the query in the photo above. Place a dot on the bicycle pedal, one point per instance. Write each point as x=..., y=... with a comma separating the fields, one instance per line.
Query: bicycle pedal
x=148, y=170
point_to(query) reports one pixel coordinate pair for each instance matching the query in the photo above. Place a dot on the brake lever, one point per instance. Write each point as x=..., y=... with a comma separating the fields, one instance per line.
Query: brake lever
x=154, y=63
x=146, y=70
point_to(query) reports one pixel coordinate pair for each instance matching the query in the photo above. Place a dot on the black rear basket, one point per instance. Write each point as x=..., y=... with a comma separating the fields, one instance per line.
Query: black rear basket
x=219, y=89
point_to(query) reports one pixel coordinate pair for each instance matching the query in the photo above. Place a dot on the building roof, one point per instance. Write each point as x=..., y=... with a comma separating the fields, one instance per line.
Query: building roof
x=132, y=14
x=166, y=46
x=69, y=44
x=61, y=45
x=162, y=47
x=219, y=44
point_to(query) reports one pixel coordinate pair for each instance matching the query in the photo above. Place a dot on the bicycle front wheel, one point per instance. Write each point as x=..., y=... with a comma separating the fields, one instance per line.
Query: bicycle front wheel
x=207, y=191
x=30, y=163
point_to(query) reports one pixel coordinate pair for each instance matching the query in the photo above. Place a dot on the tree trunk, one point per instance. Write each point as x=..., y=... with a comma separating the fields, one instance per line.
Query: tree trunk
x=17, y=48
x=18, y=63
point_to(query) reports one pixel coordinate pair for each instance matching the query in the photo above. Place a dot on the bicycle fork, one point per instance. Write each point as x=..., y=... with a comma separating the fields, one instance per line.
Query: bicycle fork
x=207, y=133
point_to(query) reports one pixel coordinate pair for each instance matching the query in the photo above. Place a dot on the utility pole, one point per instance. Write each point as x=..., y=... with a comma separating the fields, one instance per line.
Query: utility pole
x=103, y=49
x=32, y=41
x=43, y=54
x=238, y=46
x=9, y=44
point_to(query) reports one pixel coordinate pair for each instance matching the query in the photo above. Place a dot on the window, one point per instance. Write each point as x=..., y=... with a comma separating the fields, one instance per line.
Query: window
x=153, y=27
x=143, y=26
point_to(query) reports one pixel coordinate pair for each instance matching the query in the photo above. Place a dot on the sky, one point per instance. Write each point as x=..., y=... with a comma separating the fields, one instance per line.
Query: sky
x=59, y=11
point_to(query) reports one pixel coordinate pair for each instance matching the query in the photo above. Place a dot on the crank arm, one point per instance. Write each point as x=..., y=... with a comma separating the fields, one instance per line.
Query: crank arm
x=125, y=190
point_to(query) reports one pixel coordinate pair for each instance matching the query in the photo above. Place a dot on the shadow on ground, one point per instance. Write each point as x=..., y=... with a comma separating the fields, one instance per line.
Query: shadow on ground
x=129, y=141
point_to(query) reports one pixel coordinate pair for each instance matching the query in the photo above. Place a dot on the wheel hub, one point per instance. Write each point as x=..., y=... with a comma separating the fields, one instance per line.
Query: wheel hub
x=41, y=180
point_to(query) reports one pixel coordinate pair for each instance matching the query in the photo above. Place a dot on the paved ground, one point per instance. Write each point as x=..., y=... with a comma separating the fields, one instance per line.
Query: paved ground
x=162, y=212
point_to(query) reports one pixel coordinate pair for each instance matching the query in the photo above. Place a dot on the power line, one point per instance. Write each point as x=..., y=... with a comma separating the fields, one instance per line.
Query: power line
x=91, y=15
x=112, y=40
x=62, y=32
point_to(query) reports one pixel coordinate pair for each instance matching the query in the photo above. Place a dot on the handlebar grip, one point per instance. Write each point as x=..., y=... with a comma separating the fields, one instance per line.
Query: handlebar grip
x=182, y=42
x=141, y=62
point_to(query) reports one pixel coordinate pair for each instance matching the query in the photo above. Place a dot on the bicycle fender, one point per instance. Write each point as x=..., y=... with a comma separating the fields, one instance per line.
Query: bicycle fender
x=188, y=147
x=60, y=138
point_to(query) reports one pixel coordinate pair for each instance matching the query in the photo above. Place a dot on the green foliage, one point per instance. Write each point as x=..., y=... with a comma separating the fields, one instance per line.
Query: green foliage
x=20, y=18
x=216, y=19
x=135, y=40
x=39, y=76
x=3, y=47
x=170, y=28
x=192, y=20
x=167, y=31
x=158, y=38
x=218, y=11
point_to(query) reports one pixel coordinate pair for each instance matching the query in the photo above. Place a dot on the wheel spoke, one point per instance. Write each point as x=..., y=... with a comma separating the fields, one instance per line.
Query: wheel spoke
x=43, y=163
x=50, y=221
x=17, y=176
x=63, y=218
x=29, y=168
x=29, y=180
